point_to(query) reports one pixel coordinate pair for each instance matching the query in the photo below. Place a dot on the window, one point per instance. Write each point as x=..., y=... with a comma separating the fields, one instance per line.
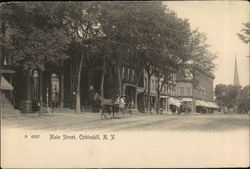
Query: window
x=123, y=71
x=152, y=84
x=146, y=83
x=188, y=91
x=128, y=73
x=156, y=85
x=181, y=91
x=133, y=74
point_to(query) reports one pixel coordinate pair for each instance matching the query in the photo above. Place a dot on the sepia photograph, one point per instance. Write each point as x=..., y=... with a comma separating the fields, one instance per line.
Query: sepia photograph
x=125, y=84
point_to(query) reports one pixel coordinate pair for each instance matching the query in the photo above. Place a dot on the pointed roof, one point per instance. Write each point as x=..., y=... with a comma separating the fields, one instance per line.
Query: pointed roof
x=236, y=75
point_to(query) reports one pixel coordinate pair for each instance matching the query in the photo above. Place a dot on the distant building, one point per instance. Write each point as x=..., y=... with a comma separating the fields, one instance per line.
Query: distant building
x=167, y=93
x=195, y=87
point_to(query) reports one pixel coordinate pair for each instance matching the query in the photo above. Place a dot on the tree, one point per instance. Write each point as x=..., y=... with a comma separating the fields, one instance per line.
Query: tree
x=199, y=50
x=82, y=20
x=226, y=95
x=35, y=35
x=153, y=35
x=128, y=43
x=243, y=100
x=245, y=35
x=232, y=94
x=220, y=93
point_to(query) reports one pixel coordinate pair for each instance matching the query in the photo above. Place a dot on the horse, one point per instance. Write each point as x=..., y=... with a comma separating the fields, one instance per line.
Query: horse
x=106, y=106
x=185, y=108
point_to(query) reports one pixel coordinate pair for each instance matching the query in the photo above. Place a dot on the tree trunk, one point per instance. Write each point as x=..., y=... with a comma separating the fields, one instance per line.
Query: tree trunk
x=136, y=86
x=102, y=79
x=78, y=84
x=119, y=81
x=62, y=90
x=41, y=92
x=148, y=96
x=102, y=84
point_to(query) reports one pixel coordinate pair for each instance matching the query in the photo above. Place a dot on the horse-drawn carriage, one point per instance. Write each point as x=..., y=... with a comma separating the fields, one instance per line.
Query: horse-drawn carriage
x=119, y=105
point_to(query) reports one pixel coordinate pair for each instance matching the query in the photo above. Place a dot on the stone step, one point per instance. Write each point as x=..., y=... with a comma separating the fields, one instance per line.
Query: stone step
x=6, y=102
x=6, y=105
x=7, y=108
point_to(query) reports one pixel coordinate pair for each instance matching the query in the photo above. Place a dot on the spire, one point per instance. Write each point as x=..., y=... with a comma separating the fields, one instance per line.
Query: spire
x=236, y=75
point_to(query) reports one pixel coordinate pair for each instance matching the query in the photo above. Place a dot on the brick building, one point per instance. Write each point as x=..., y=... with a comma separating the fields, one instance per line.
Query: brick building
x=195, y=87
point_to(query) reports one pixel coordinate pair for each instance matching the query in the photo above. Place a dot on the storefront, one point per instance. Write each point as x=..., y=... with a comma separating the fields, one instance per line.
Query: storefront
x=206, y=106
x=173, y=104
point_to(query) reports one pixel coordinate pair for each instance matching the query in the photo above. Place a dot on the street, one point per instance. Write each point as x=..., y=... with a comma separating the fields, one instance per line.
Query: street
x=136, y=122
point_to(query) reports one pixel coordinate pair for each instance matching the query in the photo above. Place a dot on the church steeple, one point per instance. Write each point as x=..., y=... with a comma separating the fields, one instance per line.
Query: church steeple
x=236, y=75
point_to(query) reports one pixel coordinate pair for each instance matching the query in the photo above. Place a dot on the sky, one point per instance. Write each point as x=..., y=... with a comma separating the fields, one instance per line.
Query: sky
x=221, y=21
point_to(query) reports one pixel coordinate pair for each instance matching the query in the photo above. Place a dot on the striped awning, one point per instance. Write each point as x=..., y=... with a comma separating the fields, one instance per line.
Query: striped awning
x=174, y=101
x=213, y=105
x=202, y=103
x=5, y=85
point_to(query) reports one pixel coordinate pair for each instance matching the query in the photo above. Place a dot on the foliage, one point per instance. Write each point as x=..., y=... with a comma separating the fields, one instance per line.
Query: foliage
x=200, y=52
x=226, y=95
x=145, y=35
x=35, y=34
x=245, y=35
x=243, y=99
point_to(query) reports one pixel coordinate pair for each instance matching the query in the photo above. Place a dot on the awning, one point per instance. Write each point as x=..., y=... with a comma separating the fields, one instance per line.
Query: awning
x=140, y=90
x=202, y=103
x=5, y=85
x=174, y=101
x=187, y=99
x=165, y=97
x=213, y=105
